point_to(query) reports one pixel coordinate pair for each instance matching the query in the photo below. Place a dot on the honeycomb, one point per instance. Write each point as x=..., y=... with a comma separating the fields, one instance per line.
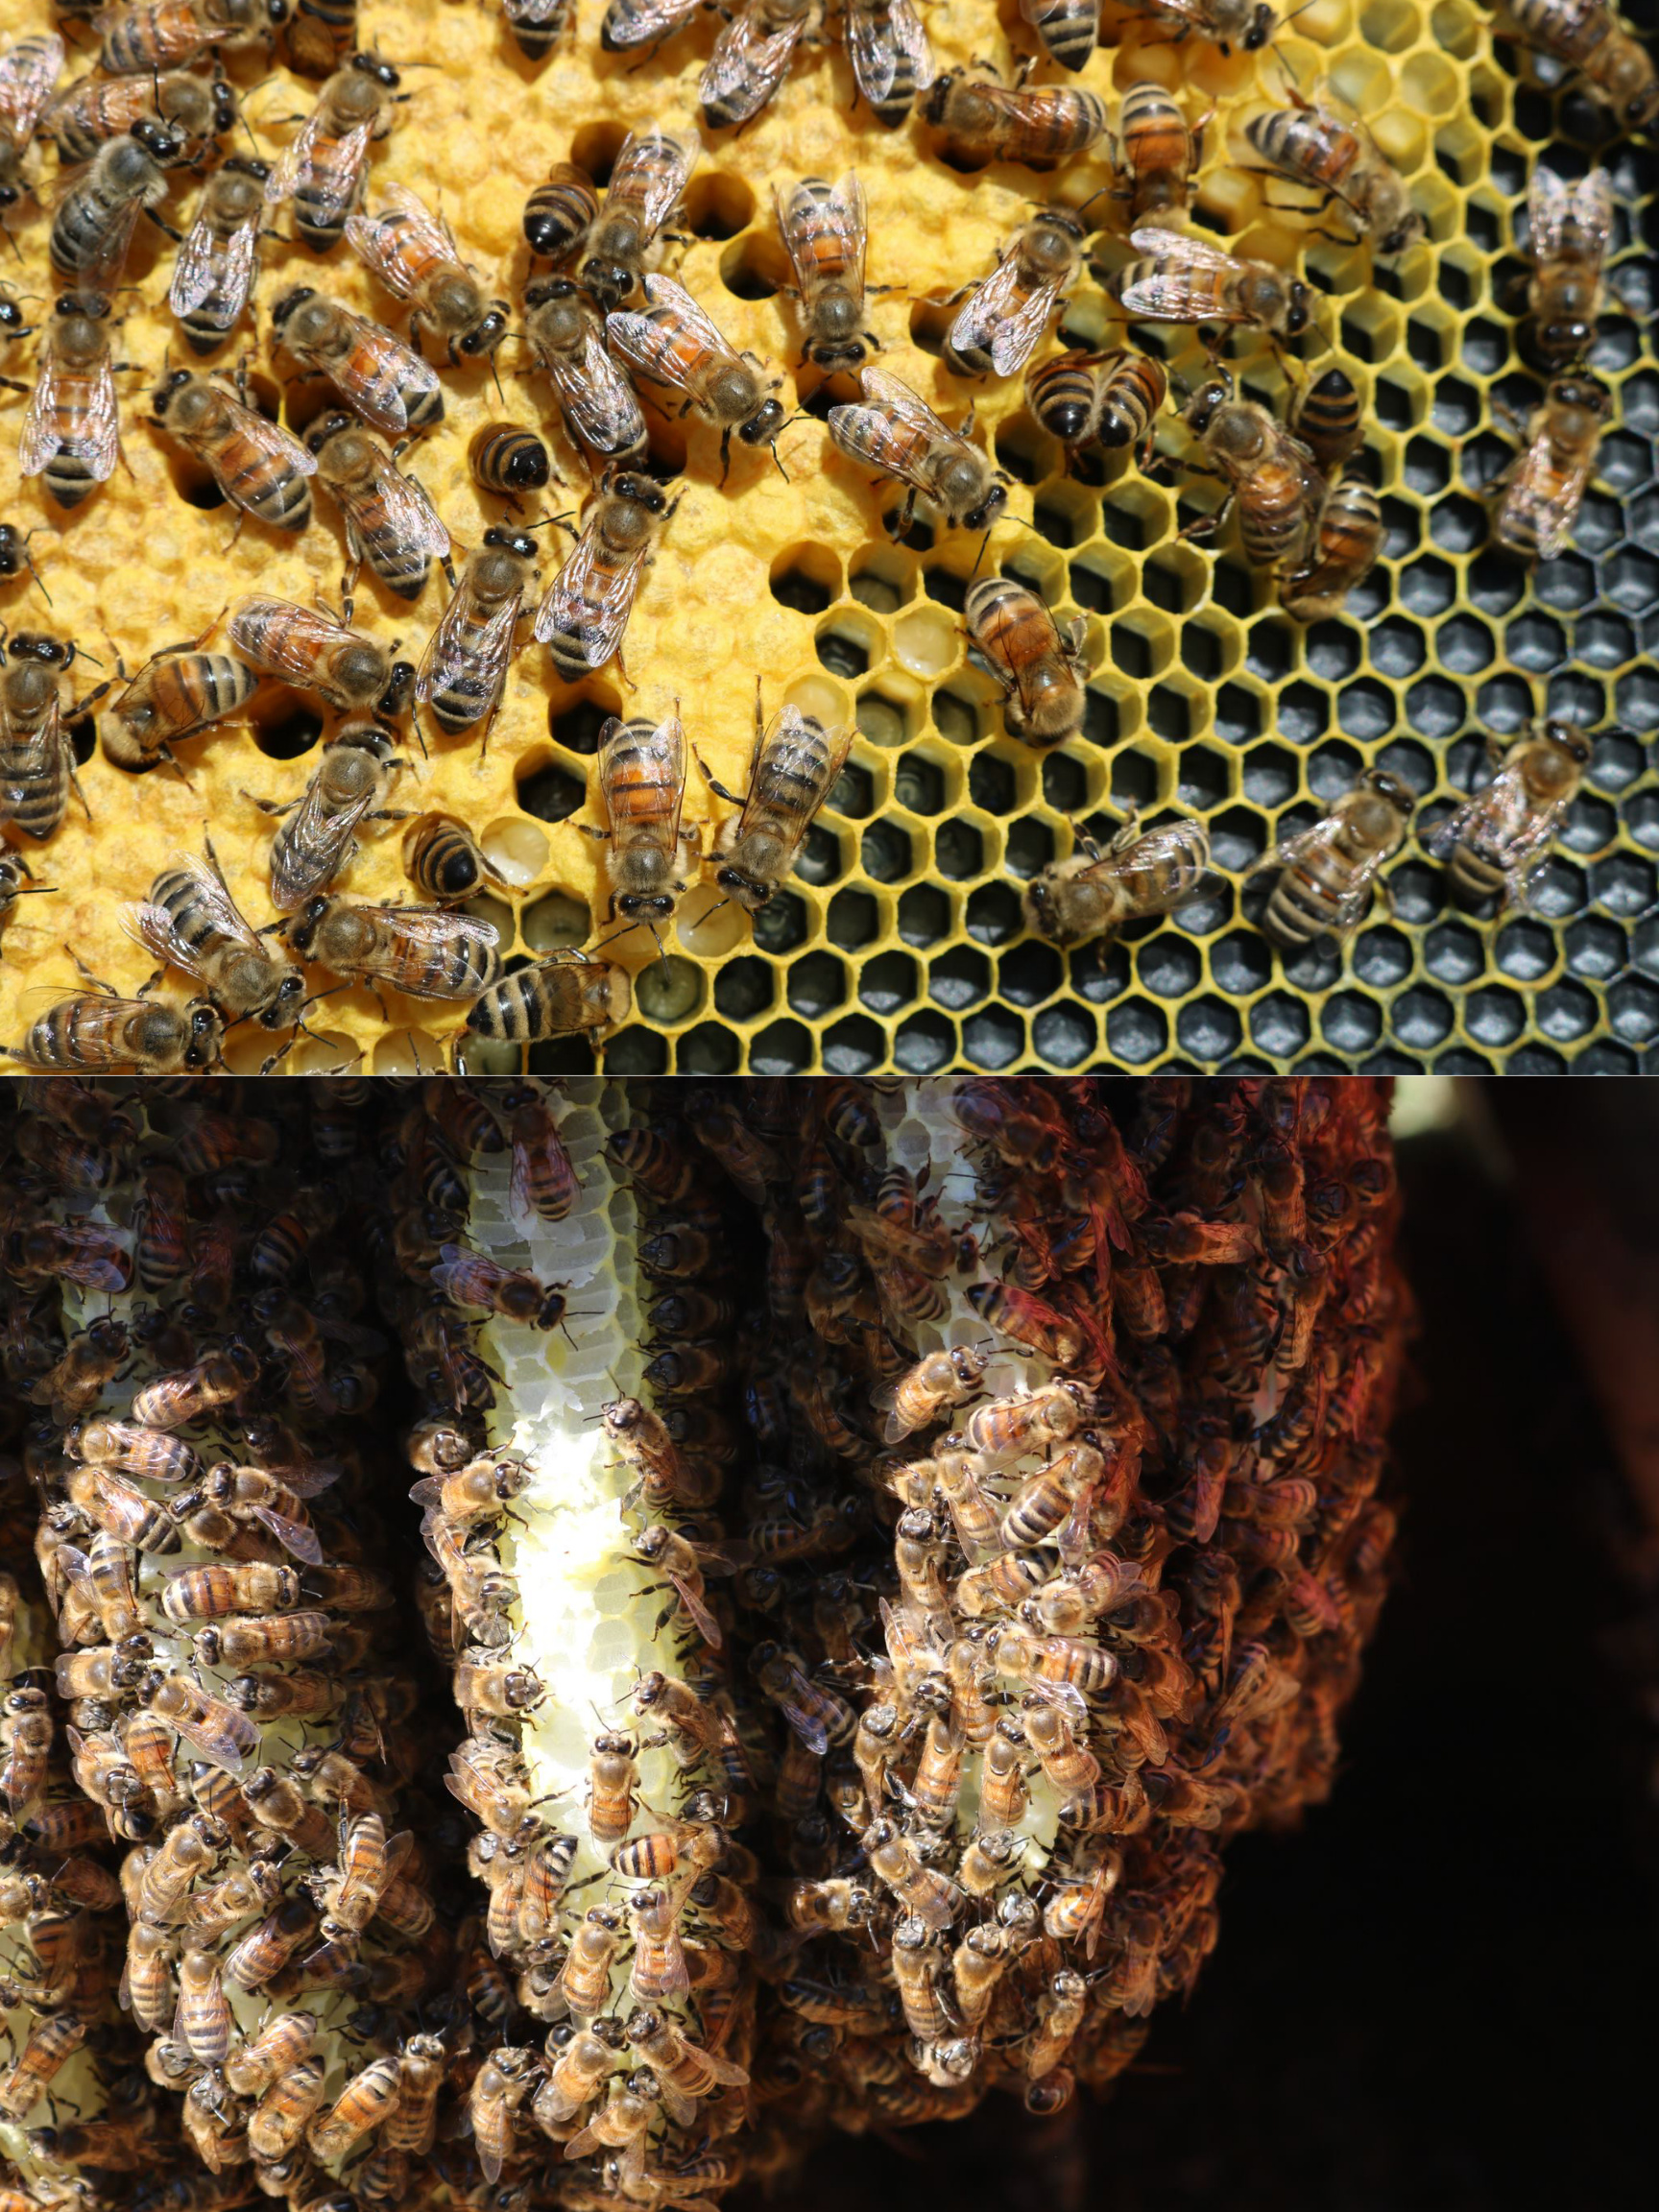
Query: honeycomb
x=900, y=942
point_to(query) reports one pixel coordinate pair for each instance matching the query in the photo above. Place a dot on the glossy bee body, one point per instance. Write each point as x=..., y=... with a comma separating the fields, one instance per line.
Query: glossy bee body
x=1311, y=147
x=102, y=1034
x=1000, y=325
x=1107, y=399
x=464, y=671
x=28, y=71
x=37, y=760
x=1343, y=552
x=171, y=698
x=1540, y=492
x=630, y=23
x=1155, y=153
x=650, y=175
x=584, y=616
x=506, y=459
x=891, y=59
x=140, y=37
x=641, y=767
x=1570, y=226
x=792, y=769
x=71, y=431
x=936, y=1385
x=391, y=524
x=983, y=121
x=95, y=109
x=686, y=2072
x=596, y=399
x=1325, y=415
x=93, y=227
x=560, y=212
x=1618, y=68
x=349, y=671
x=751, y=55
x=317, y=839
x=1329, y=872
x=218, y=264
x=1039, y=665
x=133, y=1448
x=445, y=861
x=673, y=344
x=191, y=922
x=325, y=166
x=536, y=26
x=1497, y=841
x=368, y=2099
x=379, y=378
x=1269, y=475
x=564, y=993
x=257, y=465
x=894, y=430
x=823, y=226
x=1184, y=279
x=1249, y=24
x=322, y=35
x=424, y=951
x=416, y=258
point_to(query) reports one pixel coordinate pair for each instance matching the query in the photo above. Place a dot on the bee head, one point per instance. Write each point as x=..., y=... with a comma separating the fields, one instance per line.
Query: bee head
x=488, y=335
x=512, y=542
x=240, y=165
x=1299, y=313
x=206, y=1032
x=393, y=700
x=156, y=140
x=745, y=889
x=764, y=424
x=319, y=432
x=381, y=72
x=638, y=908
x=1571, y=739
x=303, y=929
x=165, y=390
x=1263, y=25
x=993, y=503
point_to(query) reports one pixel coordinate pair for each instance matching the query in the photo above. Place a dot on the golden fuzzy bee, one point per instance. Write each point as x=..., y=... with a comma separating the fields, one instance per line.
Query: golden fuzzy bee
x=1309, y=145
x=1225, y=23
x=317, y=839
x=1618, y=68
x=1326, y=416
x=1039, y=665
x=596, y=399
x=1569, y=226
x=891, y=59
x=257, y=465
x=95, y=219
x=1269, y=474
x=51, y=2042
x=1155, y=152
x=1183, y=280
x=1068, y=28
x=584, y=616
x=28, y=71
x=140, y=37
x=1000, y=325
x=94, y=110
x=563, y=994
x=792, y=769
x=751, y=55
x=560, y=212
x=983, y=121
x=391, y=523
x=348, y=671
x=649, y=176
x=416, y=258
x=445, y=861
x=102, y=1034
x=1343, y=552
x=325, y=167
x=1328, y=873
x=936, y=1385
x=464, y=671
x=424, y=951
x=218, y=264
x=377, y=375
x=673, y=344
x=1540, y=491
x=1107, y=399
x=685, y=2071
x=191, y=922
x=71, y=432
x=1496, y=842
x=641, y=768
x=173, y=1401
x=368, y=2099
x=894, y=430
x=37, y=760
x=824, y=231
x=172, y=697
x=134, y=1450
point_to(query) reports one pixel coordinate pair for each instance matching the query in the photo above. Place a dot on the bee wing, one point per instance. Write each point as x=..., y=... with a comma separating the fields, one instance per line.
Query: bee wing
x=26, y=762
x=1005, y=315
x=665, y=751
x=653, y=19
x=297, y=628
x=1592, y=199
x=869, y=433
x=383, y=248
x=1178, y=842
x=587, y=2139
x=377, y=372
x=587, y=591
x=1069, y=1701
x=96, y=436
x=748, y=64
x=1548, y=199
x=653, y=344
x=875, y=42
x=786, y=755
x=843, y=211
x=665, y=163
x=432, y=928
x=702, y=1620
x=599, y=398
x=197, y=266
x=331, y=194
x=27, y=75
x=271, y=437
x=1442, y=840
x=295, y=1536
x=451, y=643
x=403, y=505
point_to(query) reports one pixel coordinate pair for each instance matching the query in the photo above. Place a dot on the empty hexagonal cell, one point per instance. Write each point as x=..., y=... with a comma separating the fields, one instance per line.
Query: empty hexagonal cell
x=993, y=913
x=885, y=720
x=853, y=919
x=1030, y=846
x=707, y=1049
x=1238, y=838
x=1239, y=714
x=816, y=984
x=545, y=789
x=881, y=578
x=854, y=1047
x=886, y=852
x=993, y=1038
x=923, y=1043
x=818, y=860
x=744, y=988
x=1241, y=963
x=1209, y=1030
x=1634, y=1010
x=1029, y=973
x=923, y=914
x=849, y=642
x=1623, y=883
x=1135, y=513
x=1333, y=650
x=556, y=924
x=782, y=923
x=1205, y=777
x=1304, y=714
x=1279, y=1025
x=918, y=784
x=1382, y=957
x=1566, y=1012
x=958, y=979
x=807, y=577
x=1065, y=1036
x=1454, y=952
x=1169, y=965
x=958, y=849
x=1136, y=1031
x=888, y=982
x=1366, y=710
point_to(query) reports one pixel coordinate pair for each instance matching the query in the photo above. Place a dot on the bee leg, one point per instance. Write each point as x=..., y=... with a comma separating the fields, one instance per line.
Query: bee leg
x=725, y=452
x=97, y=981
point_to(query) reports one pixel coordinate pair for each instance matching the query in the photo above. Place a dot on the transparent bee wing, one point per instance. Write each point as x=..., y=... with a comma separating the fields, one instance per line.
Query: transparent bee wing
x=655, y=344
x=1152, y=870
x=1003, y=316
x=598, y=399
x=300, y=635
x=87, y=403
x=646, y=22
x=651, y=172
x=295, y=1536
x=271, y=437
x=702, y=1620
x=387, y=247
x=27, y=75
x=406, y=510
x=807, y=1725
x=377, y=373
x=788, y=760
x=334, y=192
x=205, y=261
x=747, y=66
x=434, y=930
x=588, y=591
x=455, y=648
x=1444, y=838
x=661, y=757
x=1592, y=199
x=1548, y=199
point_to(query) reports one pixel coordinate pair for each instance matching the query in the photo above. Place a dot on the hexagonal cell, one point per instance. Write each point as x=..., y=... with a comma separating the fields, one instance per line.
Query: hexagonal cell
x=884, y=720
x=744, y=988
x=807, y=577
x=577, y=726
x=848, y=644
x=707, y=1049
x=919, y=782
x=923, y=914
x=853, y=918
x=782, y=923
x=993, y=1037
x=881, y=578
x=556, y=924
x=888, y=982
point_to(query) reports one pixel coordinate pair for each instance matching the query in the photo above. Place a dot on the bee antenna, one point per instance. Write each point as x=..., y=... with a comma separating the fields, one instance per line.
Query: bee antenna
x=979, y=556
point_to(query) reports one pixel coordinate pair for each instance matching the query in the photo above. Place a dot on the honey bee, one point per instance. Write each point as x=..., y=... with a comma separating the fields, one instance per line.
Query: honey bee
x=650, y=174
x=133, y=1448
x=322, y=33
x=257, y=465
x=1326, y=417
x=597, y=402
x=1108, y=400
x=204, y=2023
x=1068, y=28
x=642, y=781
x=584, y=616
x=1496, y=842
x=318, y=838
x=324, y=168
x=821, y=1717
x=443, y=860
x=1343, y=553
x=1184, y=279
x=824, y=232
x=1542, y=488
x=1311, y=147
x=94, y=110
x=1269, y=474
x=472, y=1279
x=349, y=672
x=1037, y=664
x=222, y=1734
x=248, y=1494
x=37, y=760
x=102, y=1034
x=52, y=2041
x=983, y=121
x=560, y=212
x=28, y=71
x=415, y=258
x=218, y=264
x=622, y=2125
x=933, y=1387
x=369, y=1859
x=930, y=1896
x=93, y=227
x=286, y=2108
x=750, y=57
x=368, y=2099
x=71, y=432
x=378, y=376
x=424, y=951
x=1097, y=891
x=698, y=1731
x=1569, y=227
x=563, y=994
x=1618, y=69
x=506, y=459
x=464, y=668
x=261, y=1955
x=390, y=522
x=896, y=432
x=93, y=1358
x=1329, y=872
x=421, y=2065
x=284, y=2040
x=793, y=767
x=1017, y=1313
x=191, y=922
x=673, y=344
x=29, y=1731
x=14, y=556
x=686, y=2072
x=172, y=697
x=140, y=37
x=1225, y=23
x=890, y=55
x=1155, y=152
x=1000, y=325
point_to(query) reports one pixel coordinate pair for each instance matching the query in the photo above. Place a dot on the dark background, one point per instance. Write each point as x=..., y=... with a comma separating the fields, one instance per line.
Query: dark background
x=1443, y=1992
